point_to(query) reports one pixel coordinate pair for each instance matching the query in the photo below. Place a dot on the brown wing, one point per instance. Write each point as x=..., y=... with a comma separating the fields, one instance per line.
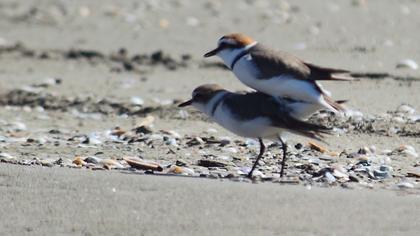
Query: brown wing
x=273, y=63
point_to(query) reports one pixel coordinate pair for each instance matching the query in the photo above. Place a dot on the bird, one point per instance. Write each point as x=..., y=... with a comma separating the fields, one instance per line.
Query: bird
x=253, y=115
x=278, y=73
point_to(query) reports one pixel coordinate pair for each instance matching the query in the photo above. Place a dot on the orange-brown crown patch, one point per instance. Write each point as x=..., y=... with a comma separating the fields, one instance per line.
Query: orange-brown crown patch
x=239, y=38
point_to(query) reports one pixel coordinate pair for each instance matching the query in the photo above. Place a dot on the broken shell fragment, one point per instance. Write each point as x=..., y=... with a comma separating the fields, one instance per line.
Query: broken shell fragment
x=317, y=147
x=140, y=164
x=111, y=164
x=180, y=170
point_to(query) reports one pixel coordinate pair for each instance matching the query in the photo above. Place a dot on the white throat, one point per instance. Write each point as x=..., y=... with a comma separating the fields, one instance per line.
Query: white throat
x=229, y=55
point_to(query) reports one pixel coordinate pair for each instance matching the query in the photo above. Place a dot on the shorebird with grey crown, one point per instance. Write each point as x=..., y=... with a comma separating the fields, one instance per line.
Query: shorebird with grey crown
x=253, y=115
x=278, y=73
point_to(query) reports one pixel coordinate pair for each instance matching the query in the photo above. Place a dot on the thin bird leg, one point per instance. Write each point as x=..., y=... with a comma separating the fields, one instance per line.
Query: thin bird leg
x=262, y=150
x=283, y=162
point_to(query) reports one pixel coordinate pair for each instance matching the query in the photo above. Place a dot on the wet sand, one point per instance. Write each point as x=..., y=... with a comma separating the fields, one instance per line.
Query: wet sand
x=45, y=201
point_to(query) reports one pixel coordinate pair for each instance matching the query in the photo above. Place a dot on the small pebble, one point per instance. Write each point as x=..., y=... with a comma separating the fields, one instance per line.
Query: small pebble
x=137, y=101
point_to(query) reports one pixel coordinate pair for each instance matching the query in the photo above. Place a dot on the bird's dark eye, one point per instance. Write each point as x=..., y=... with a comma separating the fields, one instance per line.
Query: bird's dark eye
x=197, y=96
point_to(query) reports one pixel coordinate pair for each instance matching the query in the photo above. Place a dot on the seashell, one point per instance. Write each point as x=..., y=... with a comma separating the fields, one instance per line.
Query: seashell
x=405, y=185
x=339, y=174
x=79, y=161
x=6, y=156
x=317, y=147
x=175, y=169
x=111, y=164
x=415, y=172
x=172, y=142
x=47, y=163
x=225, y=158
x=211, y=131
x=140, y=164
x=408, y=63
x=408, y=150
x=118, y=131
x=231, y=150
x=225, y=140
x=148, y=121
x=171, y=133
x=329, y=177
x=406, y=147
x=180, y=170
x=386, y=152
x=92, y=160
x=413, y=118
x=18, y=126
x=137, y=101
x=404, y=108
x=251, y=142
x=212, y=163
x=398, y=119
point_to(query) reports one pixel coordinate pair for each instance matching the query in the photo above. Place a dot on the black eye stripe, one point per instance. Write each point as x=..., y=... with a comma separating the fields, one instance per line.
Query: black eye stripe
x=228, y=45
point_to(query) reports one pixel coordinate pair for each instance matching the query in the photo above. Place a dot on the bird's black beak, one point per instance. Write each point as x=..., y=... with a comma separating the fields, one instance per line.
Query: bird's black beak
x=213, y=52
x=184, y=104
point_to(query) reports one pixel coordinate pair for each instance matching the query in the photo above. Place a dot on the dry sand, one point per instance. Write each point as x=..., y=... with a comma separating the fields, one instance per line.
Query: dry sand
x=362, y=36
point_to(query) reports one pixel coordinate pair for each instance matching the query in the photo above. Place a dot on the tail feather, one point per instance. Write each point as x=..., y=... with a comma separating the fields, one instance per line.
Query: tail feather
x=325, y=73
x=307, y=129
x=344, y=77
x=335, y=104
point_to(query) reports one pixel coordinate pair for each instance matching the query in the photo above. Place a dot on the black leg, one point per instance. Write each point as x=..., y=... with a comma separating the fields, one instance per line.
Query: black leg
x=283, y=162
x=262, y=150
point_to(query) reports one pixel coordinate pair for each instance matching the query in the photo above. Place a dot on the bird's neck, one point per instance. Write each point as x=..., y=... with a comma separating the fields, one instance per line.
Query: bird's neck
x=214, y=103
x=232, y=56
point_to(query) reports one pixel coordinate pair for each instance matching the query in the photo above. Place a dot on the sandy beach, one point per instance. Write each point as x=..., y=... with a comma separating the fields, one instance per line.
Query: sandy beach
x=84, y=85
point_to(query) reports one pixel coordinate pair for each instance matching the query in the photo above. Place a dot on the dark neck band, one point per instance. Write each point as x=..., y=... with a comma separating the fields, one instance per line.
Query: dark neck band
x=236, y=59
x=217, y=103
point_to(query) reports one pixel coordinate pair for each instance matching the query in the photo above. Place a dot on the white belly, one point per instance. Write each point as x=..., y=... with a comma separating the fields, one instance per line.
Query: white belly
x=281, y=85
x=255, y=128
